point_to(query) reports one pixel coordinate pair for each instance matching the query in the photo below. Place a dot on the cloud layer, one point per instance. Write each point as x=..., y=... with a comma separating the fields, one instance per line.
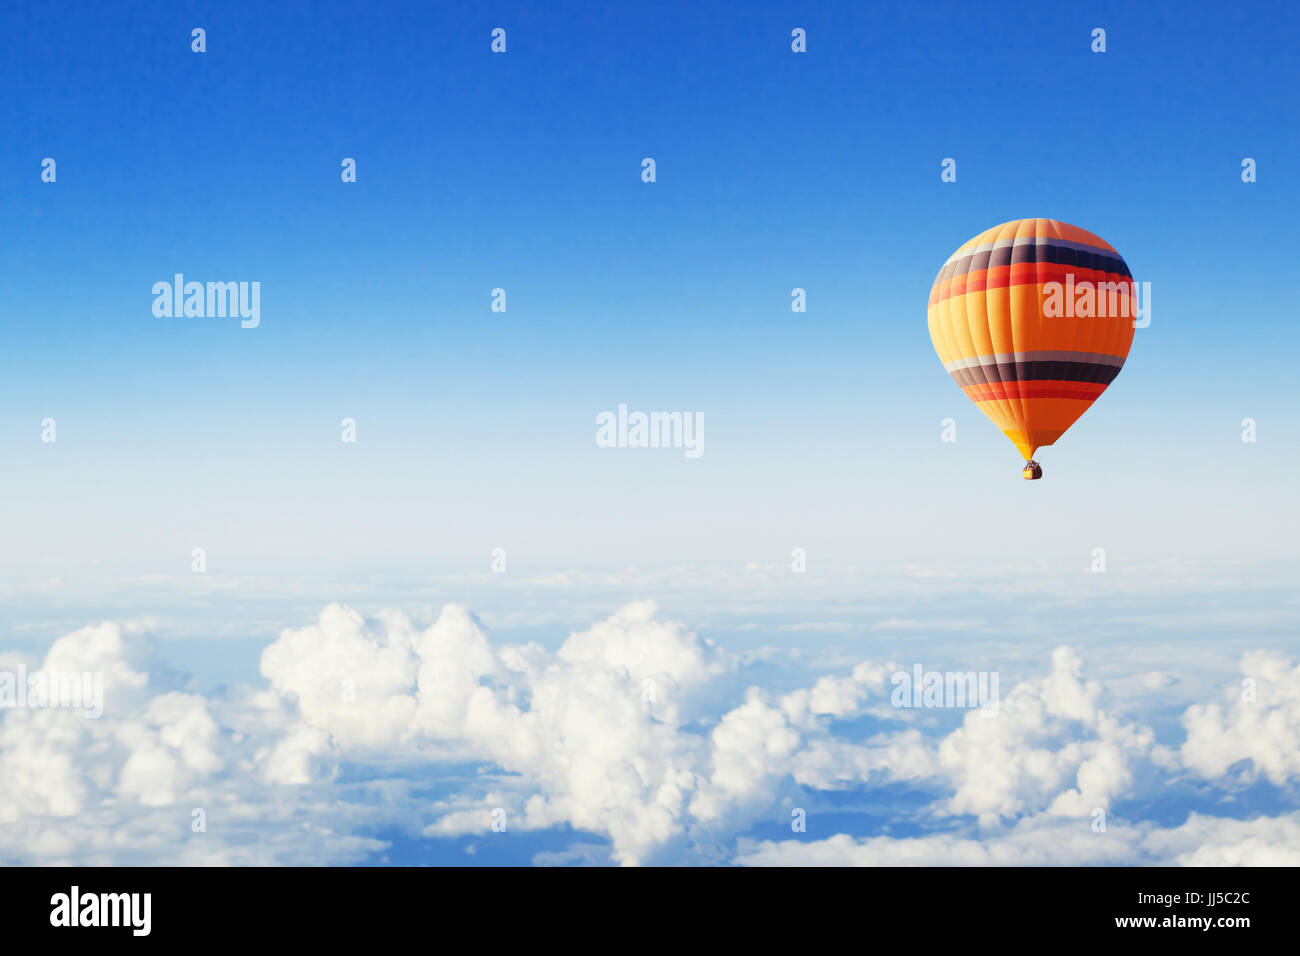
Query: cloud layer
x=640, y=734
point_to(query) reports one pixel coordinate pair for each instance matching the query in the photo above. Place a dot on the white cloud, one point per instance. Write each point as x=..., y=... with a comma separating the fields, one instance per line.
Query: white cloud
x=346, y=680
x=1053, y=841
x=630, y=729
x=1049, y=747
x=1260, y=724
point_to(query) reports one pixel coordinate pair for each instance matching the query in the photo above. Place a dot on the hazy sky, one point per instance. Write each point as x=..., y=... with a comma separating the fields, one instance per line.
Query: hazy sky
x=479, y=171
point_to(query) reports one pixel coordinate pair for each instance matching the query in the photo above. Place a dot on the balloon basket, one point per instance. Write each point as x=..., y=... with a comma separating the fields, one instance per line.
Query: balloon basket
x=1033, y=471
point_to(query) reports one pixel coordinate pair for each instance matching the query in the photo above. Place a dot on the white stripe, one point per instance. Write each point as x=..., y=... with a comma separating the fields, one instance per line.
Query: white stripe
x=1030, y=241
x=1007, y=358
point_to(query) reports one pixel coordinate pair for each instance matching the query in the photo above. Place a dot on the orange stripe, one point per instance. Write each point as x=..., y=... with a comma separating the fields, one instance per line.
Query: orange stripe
x=1048, y=228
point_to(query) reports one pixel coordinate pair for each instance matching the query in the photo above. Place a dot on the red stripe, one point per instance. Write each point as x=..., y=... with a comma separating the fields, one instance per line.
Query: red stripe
x=1044, y=389
x=1024, y=273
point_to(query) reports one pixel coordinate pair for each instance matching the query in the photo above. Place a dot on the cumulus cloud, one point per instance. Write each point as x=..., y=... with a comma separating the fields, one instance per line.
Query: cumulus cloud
x=1051, y=747
x=1258, y=723
x=630, y=730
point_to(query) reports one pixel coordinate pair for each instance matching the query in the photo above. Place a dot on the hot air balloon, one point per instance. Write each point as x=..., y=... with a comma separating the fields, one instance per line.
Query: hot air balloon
x=1033, y=319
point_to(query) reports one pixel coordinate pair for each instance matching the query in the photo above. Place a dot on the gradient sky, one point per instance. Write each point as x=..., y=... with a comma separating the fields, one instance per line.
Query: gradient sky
x=775, y=170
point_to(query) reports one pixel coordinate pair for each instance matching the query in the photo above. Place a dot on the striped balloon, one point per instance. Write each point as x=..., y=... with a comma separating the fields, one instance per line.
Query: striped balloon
x=1033, y=319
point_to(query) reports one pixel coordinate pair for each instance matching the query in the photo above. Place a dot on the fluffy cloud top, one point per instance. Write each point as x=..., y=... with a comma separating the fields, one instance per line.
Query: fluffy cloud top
x=1259, y=725
x=628, y=730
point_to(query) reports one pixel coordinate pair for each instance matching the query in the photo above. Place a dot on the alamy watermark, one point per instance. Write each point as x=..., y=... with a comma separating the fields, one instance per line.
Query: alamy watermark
x=53, y=689
x=1099, y=300
x=213, y=300
x=130, y=910
x=651, y=430
x=922, y=688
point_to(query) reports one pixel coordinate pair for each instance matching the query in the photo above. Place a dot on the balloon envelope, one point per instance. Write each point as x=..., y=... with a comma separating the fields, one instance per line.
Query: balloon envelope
x=1033, y=319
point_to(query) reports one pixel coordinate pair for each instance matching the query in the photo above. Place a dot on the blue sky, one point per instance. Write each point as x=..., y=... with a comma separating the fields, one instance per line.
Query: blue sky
x=476, y=429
